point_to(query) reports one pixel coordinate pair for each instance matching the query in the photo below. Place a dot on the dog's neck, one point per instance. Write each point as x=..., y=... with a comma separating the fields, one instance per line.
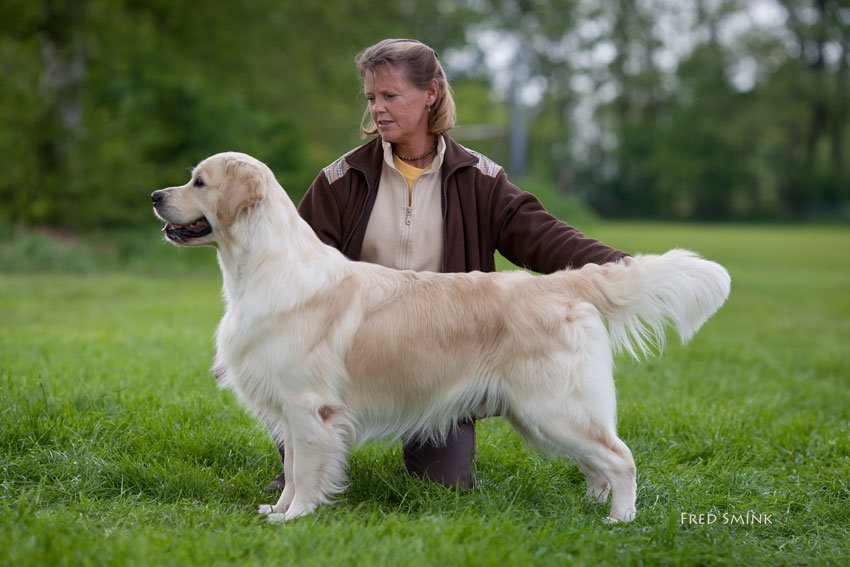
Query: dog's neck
x=269, y=243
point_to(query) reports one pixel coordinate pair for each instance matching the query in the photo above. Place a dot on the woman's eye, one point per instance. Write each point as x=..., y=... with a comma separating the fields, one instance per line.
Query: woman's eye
x=199, y=182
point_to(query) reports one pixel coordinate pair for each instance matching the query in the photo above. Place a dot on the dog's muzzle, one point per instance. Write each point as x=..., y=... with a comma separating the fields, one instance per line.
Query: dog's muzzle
x=179, y=232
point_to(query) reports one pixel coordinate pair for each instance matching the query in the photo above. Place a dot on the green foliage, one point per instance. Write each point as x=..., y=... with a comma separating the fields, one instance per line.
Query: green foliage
x=102, y=101
x=128, y=250
x=696, y=145
x=158, y=86
x=116, y=448
x=571, y=210
x=744, y=123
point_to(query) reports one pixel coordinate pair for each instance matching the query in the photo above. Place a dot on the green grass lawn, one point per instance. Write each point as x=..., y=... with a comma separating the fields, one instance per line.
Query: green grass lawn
x=116, y=448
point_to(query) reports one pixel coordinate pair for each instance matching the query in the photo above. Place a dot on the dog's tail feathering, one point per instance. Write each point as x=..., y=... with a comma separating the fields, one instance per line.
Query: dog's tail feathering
x=640, y=298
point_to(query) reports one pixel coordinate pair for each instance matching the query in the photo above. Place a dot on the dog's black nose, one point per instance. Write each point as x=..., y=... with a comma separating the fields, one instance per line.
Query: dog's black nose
x=156, y=197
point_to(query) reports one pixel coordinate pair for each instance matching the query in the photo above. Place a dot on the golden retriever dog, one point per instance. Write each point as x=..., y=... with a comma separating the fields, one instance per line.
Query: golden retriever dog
x=333, y=352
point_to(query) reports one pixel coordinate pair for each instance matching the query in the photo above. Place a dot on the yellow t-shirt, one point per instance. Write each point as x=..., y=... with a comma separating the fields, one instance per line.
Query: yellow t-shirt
x=410, y=173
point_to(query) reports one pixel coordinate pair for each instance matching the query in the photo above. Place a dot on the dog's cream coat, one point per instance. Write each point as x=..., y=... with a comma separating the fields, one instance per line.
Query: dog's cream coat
x=333, y=352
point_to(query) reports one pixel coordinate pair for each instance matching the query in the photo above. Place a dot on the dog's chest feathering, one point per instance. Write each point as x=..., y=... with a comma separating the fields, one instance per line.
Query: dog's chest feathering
x=273, y=354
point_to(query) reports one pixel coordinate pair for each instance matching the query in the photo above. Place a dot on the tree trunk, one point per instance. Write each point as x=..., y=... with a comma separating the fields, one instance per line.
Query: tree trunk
x=61, y=81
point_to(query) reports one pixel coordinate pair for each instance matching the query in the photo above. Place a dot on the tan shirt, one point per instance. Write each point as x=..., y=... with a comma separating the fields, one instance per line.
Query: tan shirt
x=405, y=229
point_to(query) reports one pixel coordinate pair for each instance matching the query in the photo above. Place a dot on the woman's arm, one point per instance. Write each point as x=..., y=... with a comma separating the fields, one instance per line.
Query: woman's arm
x=529, y=236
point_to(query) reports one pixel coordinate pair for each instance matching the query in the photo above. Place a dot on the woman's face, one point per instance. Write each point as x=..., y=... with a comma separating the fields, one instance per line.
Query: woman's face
x=398, y=107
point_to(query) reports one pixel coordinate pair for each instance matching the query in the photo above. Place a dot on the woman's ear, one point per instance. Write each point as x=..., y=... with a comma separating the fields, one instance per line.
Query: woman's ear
x=433, y=92
x=243, y=186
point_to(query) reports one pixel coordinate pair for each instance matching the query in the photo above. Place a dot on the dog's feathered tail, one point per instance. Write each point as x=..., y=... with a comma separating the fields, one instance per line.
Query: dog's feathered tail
x=641, y=298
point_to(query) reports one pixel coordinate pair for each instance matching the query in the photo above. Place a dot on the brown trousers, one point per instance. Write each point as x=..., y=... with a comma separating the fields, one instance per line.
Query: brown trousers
x=451, y=464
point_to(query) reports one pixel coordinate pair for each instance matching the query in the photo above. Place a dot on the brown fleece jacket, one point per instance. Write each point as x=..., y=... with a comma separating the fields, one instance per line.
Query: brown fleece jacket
x=482, y=211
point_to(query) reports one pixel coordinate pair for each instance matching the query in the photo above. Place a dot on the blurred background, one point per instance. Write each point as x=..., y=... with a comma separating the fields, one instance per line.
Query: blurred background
x=652, y=109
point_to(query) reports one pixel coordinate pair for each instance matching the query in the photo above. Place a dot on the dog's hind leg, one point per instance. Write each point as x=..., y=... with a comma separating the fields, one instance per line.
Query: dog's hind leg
x=613, y=460
x=569, y=408
x=601, y=455
x=598, y=488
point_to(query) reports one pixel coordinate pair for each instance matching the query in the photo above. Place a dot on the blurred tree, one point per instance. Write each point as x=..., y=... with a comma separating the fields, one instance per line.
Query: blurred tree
x=43, y=60
x=60, y=88
x=819, y=66
x=525, y=40
x=621, y=182
x=105, y=100
x=694, y=165
x=641, y=107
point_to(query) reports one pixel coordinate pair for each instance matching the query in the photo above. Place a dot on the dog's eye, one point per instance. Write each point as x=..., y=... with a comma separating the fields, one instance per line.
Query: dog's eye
x=199, y=182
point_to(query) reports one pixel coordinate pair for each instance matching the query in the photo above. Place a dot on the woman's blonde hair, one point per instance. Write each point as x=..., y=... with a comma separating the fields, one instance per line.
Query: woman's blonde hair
x=420, y=65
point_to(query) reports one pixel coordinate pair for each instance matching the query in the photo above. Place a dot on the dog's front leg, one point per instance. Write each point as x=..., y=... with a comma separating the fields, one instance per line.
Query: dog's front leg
x=277, y=512
x=315, y=460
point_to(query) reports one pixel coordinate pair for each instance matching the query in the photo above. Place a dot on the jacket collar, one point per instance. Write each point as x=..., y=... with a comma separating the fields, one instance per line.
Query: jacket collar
x=369, y=157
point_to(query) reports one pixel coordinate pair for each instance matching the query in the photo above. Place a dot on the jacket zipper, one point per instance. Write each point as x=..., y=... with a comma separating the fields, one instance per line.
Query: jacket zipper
x=407, y=217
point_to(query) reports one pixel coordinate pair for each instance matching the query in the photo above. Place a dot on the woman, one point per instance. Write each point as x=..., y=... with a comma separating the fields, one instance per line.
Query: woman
x=412, y=198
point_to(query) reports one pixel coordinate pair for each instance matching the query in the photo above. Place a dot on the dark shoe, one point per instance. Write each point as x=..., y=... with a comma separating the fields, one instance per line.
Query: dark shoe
x=275, y=485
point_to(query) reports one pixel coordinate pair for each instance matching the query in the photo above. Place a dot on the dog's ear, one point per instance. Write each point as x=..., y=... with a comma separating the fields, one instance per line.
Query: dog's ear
x=243, y=186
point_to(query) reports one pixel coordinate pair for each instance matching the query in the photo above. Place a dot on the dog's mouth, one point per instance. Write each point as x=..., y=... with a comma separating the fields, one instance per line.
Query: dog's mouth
x=185, y=233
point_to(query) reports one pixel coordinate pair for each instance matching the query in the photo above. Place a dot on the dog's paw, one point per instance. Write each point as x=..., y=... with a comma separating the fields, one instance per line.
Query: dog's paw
x=627, y=516
x=276, y=518
x=266, y=509
x=295, y=511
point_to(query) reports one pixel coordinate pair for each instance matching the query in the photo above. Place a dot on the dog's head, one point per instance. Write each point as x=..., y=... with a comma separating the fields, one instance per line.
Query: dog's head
x=220, y=188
